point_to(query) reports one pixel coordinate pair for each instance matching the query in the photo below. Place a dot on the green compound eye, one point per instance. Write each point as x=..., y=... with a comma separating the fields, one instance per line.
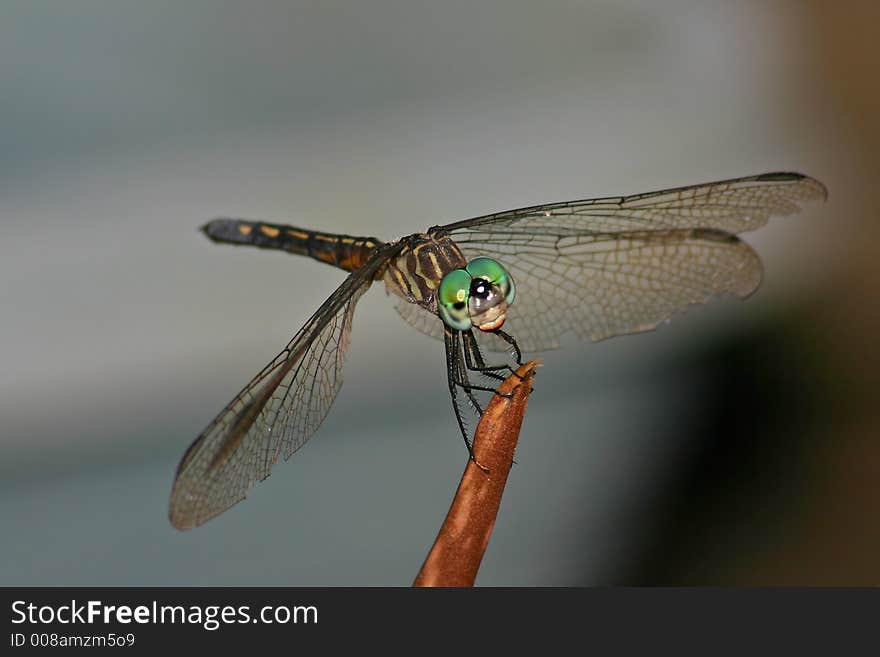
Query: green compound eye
x=490, y=270
x=452, y=299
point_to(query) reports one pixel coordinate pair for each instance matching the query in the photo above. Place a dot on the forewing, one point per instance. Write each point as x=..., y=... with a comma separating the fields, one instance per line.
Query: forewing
x=274, y=415
x=610, y=266
x=734, y=206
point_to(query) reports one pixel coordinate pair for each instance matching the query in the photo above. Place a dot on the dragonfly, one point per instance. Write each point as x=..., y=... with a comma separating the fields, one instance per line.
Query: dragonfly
x=596, y=268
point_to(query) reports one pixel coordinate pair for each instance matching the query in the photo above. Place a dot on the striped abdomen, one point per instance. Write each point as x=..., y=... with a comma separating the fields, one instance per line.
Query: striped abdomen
x=344, y=251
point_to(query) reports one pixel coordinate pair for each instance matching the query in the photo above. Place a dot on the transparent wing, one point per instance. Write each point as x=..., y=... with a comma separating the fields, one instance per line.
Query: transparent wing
x=610, y=266
x=274, y=415
x=419, y=318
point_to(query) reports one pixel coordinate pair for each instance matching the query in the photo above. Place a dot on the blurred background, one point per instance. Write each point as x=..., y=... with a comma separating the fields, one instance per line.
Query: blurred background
x=738, y=445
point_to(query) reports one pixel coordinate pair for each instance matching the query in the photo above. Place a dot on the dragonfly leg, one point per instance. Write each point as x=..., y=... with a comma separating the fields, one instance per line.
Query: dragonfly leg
x=509, y=339
x=453, y=370
x=475, y=361
x=465, y=384
x=461, y=377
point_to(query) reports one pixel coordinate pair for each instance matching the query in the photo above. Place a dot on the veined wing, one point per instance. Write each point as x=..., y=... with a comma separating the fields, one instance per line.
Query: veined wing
x=610, y=266
x=275, y=414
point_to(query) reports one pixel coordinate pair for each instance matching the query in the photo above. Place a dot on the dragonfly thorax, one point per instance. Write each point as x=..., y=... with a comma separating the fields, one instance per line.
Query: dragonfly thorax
x=416, y=273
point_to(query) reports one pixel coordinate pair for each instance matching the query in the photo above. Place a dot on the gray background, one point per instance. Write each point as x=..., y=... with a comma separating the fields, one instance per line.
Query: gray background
x=125, y=125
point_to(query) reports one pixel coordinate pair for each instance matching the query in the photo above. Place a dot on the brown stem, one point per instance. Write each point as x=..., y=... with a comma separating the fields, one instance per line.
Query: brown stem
x=458, y=550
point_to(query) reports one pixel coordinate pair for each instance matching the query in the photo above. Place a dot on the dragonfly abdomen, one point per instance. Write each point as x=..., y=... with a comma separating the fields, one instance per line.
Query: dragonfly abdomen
x=344, y=251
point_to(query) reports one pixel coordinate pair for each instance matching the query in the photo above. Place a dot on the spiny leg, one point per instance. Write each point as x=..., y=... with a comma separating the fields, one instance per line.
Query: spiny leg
x=509, y=339
x=464, y=382
x=474, y=358
x=481, y=365
x=463, y=365
x=475, y=361
x=464, y=342
x=451, y=342
x=453, y=370
x=460, y=345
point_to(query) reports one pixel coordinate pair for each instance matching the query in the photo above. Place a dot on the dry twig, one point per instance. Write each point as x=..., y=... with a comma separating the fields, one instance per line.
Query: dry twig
x=458, y=550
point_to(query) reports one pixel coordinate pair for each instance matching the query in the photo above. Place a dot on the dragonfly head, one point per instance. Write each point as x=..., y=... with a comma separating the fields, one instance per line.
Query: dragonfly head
x=477, y=295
